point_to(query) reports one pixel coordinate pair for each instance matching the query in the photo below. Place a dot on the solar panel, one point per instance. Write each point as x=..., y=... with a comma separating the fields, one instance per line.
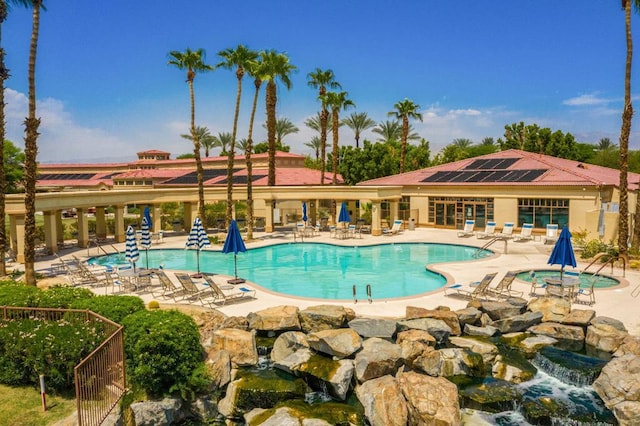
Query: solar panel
x=491, y=164
x=66, y=176
x=504, y=163
x=477, y=164
x=192, y=177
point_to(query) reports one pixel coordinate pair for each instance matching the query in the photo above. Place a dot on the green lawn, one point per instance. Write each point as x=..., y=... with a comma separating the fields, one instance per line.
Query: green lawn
x=23, y=406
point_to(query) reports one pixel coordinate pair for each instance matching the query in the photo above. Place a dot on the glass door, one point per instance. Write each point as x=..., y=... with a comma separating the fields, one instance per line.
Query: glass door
x=445, y=214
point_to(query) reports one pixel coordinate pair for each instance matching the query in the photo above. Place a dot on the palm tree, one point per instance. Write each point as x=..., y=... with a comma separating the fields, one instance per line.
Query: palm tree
x=627, y=114
x=241, y=144
x=276, y=66
x=320, y=80
x=284, y=127
x=604, y=144
x=222, y=141
x=389, y=131
x=255, y=70
x=337, y=101
x=193, y=62
x=207, y=140
x=462, y=143
x=238, y=59
x=314, y=144
x=358, y=122
x=404, y=110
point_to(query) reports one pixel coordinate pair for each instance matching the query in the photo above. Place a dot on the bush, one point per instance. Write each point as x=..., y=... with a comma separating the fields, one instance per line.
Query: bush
x=163, y=352
x=62, y=297
x=115, y=308
x=594, y=247
x=15, y=294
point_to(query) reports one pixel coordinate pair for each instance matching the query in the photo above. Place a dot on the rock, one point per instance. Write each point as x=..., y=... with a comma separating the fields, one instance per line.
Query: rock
x=518, y=323
x=322, y=317
x=276, y=318
x=205, y=407
x=486, y=331
x=241, y=323
x=486, y=349
x=450, y=318
x=553, y=309
x=240, y=344
x=370, y=327
x=414, y=335
x=581, y=317
x=437, y=328
x=533, y=344
x=558, y=331
x=383, y=402
x=340, y=343
x=283, y=416
x=510, y=372
x=605, y=337
x=430, y=400
x=287, y=343
x=207, y=323
x=630, y=345
x=468, y=316
x=414, y=343
x=609, y=321
x=491, y=396
x=619, y=387
x=321, y=372
x=218, y=364
x=293, y=361
x=450, y=362
x=157, y=413
x=485, y=320
x=377, y=358
x=500, y=310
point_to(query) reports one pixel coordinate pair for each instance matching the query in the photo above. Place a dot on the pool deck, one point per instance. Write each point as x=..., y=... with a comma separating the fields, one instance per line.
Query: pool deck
x=615, y=302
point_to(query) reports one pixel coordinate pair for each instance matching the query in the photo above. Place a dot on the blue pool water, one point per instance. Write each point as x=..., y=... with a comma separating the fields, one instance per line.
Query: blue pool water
x=323, y=271
x=602, y=281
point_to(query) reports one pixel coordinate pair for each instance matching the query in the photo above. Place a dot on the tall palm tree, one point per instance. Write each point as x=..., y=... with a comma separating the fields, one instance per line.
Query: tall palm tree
x=314, y=144
x=321, y=80
x=605, y=144
x=358, y=122
x=241, y=144
x=222, y=141
x=336, y=101
x=276, y=67
x=255, y=70
x=237, y=58
x=207, y=140
x=389, y=131
x=627, y=114
x=404, y=110
x=284, y=127
x=194, y=62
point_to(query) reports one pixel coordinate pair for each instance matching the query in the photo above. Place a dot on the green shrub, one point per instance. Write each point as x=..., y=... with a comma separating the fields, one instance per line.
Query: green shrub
x=115, y=308
x=62, y=297
x=15, y=294
x=594, y=247
x=163, y=352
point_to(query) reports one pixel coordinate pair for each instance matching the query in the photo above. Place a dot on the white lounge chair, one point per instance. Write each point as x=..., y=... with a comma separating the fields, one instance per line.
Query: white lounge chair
x=552, y=233
x=489, y=231
x=507, y=231
x=467, y=231
x=395, y=229
x=525, y=233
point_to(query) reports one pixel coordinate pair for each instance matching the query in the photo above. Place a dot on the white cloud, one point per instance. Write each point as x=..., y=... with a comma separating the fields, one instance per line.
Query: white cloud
x=586, y=100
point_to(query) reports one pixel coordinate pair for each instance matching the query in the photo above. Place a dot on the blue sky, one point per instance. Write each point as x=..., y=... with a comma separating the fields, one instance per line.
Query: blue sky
x=105, y=90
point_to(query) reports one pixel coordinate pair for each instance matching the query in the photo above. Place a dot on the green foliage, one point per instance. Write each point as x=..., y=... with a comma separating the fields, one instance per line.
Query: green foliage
x=13, y=168
x=115, y=308
x=163, y=352
x=263, y=147
x=62, y=297
x=594, y=247
x=532, y=138
x=16, y=294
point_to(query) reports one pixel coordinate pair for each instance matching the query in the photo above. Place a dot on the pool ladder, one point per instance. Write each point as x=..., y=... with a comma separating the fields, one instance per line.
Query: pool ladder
x=355, y=294
x=490, y=242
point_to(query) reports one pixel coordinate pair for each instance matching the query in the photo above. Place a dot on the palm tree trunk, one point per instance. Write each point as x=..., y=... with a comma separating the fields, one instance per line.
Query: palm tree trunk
x=196, y=154
x=627, y=114
x=4, y=75
x=248, y=152
x=271, y=130
x=335, y=126
x=323, y=142
x=403, y=148
x=232, y=149
x=31, y=151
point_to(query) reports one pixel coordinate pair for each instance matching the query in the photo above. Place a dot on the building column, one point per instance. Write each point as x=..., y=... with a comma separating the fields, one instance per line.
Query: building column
x=190, y=213
x=376, y=210
x=50, y=234
x=83, y=228
x=59, y=227
x=118, y=218
x=16, y=224
x=394, y=210
x=268, y=215
x=101, y=223
x=156, y=218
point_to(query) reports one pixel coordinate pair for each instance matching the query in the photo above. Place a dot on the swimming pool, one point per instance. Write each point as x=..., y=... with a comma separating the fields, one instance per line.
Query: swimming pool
x=602, y=281
x=324, y=271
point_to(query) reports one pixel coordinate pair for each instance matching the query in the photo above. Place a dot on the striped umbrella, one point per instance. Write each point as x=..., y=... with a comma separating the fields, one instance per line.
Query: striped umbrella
x=131, y=252
x=145, y=238
x=197, y=238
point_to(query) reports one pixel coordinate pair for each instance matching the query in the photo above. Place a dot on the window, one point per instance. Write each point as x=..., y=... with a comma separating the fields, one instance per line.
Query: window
x=541, y=211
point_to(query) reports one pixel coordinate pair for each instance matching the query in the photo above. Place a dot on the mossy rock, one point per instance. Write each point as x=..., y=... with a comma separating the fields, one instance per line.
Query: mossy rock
x=490, y=395
x=334, y=413
x=542, y=411
x=265, y=389
x=321, y=367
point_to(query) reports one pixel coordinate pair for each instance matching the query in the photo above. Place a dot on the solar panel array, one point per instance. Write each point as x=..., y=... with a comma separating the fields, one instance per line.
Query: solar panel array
x=66, y=176
x=487, y=170
x=491, y=164
x=192, y=178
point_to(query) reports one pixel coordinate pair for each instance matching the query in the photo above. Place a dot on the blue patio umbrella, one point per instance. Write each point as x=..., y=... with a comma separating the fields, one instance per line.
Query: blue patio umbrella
x=198, y=239
x=145, y=238
x=234, y=244
x=562, y=253
x=147, y=215
x=131, y=252
x=304, y=212
x=344, y=213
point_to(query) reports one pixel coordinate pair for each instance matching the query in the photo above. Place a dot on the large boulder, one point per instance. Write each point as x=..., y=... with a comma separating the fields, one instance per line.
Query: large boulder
x=518, y=322
x=533, y=344
x=469, y=315
x=581, y=317
x=450, y=362
x=218, y=364
x=619, y=387
x=609, y=321
x=450, y=318
x=431, y=400
x=435, y=327
x=630, y=345
x=486, y=349
x=565, y=333
x=605, y=337
x=414, y=343
x=322, y=317
x=383, y=402
x=340, y=343
x=499, y=310
x=377, y=358
x=292, y=362
x=283, y=416
x=324, y=373
x=288, y=343
x=158, y=413
x=240, y=344
x=511, y=372
x=374, y=327
x=553, y=309
x=486, y=331
x=276, y=318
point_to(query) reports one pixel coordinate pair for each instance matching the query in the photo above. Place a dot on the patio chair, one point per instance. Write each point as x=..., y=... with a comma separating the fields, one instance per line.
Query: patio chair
x=353, y=231
x=189, y=289
x=467, y=231
x=477, y=292
x=525, y=233
x=503, y=289
x=585, y=295
x=489, y=231
x=507, y=231
x=552, y=233
x=535, y=284
x=214, y=294
x=167, y=287
x=395, y=229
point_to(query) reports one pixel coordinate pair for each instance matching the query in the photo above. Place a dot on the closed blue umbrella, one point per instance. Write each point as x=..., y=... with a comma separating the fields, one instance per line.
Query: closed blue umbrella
x=562, y=253
x=198, y=239
x=234, y=244
x=145, y=238
x=344, y=213
x=147, y=215
x=304, y=212
x=131, y=252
